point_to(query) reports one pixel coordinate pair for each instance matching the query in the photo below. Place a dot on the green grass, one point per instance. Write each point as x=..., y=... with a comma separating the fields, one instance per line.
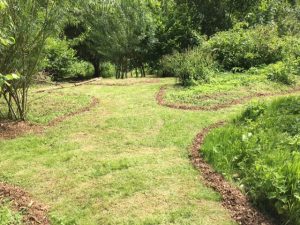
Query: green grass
x=261, y=151
x=44, y=107
x=8, y=216
x=124, y=162
x=225, y=88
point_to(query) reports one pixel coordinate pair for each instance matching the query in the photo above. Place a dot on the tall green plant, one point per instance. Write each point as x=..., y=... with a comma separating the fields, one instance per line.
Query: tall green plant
x=29, y=23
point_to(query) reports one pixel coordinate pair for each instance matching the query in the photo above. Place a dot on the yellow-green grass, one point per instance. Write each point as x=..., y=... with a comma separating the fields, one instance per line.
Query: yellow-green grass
x=45, y=107
x=124, y=162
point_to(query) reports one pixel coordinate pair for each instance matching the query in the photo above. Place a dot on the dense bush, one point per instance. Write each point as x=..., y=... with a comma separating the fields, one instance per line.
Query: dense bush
x=61, y=61
x=291, y=53
x=280, y=72
x=246, y=48
x=192, y=67
x=107, y=70
x=261, y=151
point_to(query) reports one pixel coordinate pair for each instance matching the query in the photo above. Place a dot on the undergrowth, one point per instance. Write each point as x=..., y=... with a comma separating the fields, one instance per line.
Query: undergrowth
x=261, y=151
x=226, y=87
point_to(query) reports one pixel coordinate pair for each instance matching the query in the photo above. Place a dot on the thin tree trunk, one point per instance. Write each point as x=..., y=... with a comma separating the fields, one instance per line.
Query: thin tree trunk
x=143, y=71
x=96, y=65
x=136, y=73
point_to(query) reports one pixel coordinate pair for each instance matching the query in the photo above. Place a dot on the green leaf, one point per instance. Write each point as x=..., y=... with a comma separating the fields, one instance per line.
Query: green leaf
x=12, y=76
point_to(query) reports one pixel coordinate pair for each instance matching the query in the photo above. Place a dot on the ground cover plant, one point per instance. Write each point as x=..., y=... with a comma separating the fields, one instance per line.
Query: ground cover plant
x=260, y=151
x=8, y=216
x=225, y=88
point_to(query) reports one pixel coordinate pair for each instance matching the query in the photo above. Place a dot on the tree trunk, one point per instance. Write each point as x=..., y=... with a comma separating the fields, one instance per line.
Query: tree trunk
x=143, y=71
x=96, y=65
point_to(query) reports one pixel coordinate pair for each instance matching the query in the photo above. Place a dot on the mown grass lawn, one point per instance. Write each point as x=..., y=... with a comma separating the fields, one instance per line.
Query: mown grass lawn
x=123, y=162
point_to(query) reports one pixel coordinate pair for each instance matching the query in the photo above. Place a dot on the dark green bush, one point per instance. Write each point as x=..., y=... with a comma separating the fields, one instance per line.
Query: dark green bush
x=261, y=151
x=246, y=48
x=62, y=63
x=107, y=70
x=192, y=67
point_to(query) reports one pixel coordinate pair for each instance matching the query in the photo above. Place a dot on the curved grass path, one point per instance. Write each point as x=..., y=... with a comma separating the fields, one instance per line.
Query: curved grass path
x=160, y=98
x=123, y=162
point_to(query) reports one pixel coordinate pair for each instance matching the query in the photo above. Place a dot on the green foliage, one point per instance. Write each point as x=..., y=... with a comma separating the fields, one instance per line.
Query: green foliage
x=252, y=112
x=121, y=31
x=192, y=67
x=5, y=79
x=225, y=88
x=261, y=151
x=61, y=61
x=8, y=217
x=281, y=73
x=246, y=48
x=291, y=53
x=107, y=70
x=28, y=23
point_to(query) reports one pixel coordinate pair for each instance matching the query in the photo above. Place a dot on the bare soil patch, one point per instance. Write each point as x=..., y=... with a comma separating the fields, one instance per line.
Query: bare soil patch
x=33, y=212
x=11, y=130
x=234, y=200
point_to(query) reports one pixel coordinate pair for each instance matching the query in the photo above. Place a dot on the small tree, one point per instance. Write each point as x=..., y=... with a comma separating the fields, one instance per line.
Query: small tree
x=29, y=23
x=121, y=31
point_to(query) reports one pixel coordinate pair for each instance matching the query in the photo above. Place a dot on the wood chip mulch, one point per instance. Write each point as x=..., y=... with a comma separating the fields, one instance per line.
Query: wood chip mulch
x=234, y=200
x=14, y=129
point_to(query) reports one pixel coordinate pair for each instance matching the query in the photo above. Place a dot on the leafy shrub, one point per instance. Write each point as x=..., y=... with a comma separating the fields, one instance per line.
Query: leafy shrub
x=80, y=70
x=281, y=73
x=61, y=61
x=107, y=70
x=291, y=53
x=261, y=150
x=252, y=113
x=192, y=67
x=246, y=48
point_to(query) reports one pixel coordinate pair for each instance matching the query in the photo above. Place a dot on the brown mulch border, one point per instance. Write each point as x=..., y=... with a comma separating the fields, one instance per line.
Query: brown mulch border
x=14, y=129
x=11, y=130
x=160, y=98
x=33, y=212
x=233, y=199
